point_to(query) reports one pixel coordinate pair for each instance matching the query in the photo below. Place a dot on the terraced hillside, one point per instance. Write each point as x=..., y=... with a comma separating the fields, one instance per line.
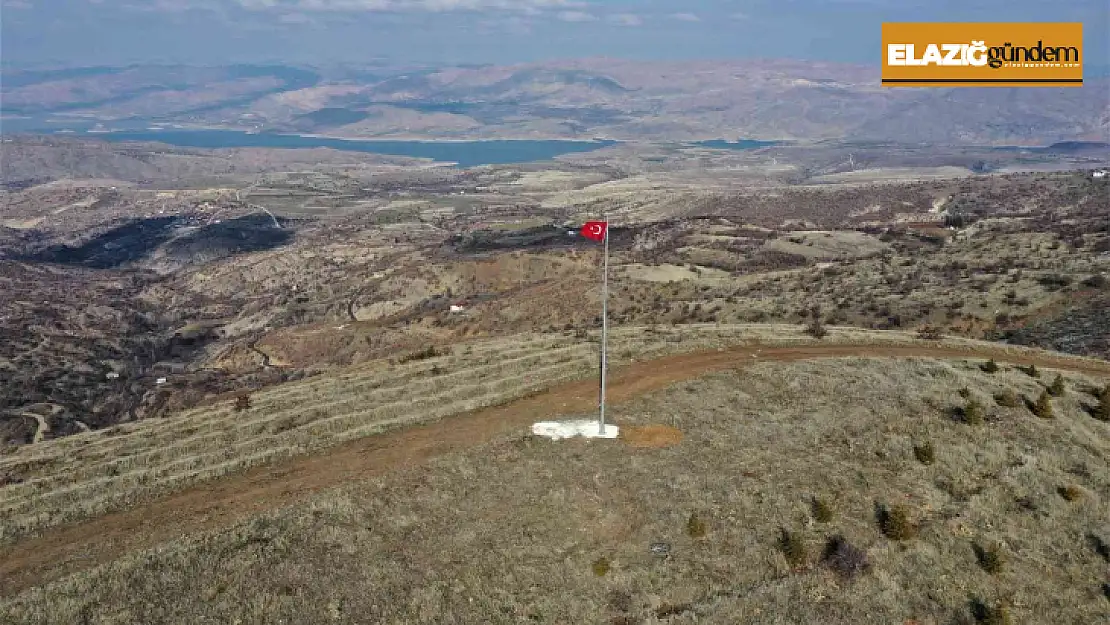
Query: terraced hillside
x=83, y=476
x=75, y=477
x=784, y=450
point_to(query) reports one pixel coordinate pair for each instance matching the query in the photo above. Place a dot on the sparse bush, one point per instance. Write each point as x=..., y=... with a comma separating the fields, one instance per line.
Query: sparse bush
x=428, y=352
x=620, y=600
x=930, y=333
x=1007, y=399
x=924, y=453
x=1031, y=371
x=695, y=526
x=1096, y=282
x=242, y=402
x=844, y=558
x=1101, y=410
x=972, y=412
x=816, y=327
x=965, y=392
x=601, y=566
x=1043, y=406
x=1071, y=492
x=990, y=366
x=1056, y=389
x=895, y=522
x=986, y=615
x=793, y=547
x=822, y=510
x=1100, y=546
x=990, y=558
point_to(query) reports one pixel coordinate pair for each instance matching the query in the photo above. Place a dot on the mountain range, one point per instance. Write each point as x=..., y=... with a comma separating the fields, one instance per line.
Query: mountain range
x=577, y=99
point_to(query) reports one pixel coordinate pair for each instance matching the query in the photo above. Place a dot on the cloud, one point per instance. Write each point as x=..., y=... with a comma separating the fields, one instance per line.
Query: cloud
x=626, y=19
x=576, y=16
x=685, y=17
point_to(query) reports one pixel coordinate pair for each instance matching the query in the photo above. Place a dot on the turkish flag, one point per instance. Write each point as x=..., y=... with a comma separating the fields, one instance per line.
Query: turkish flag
x=595, y=230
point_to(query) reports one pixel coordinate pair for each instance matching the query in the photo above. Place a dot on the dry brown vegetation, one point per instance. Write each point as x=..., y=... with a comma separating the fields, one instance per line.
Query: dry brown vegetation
x=521, y=529
x=768, y=490
x=215, y=303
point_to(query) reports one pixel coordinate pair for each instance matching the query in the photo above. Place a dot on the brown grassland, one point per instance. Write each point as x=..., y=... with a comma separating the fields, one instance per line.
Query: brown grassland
x=249, y=396
x=512, y=530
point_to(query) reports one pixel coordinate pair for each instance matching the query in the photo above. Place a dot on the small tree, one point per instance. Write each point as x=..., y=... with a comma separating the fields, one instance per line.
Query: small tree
x=822, y=510
x=990, y=558
x=1007, y=399
x=695, y=527
x=1043, y=406
x=990, y=366
x=793, y=547
x=1056, y=389
x=895, y=523
x=1102, y=410
x=973, y=412
x=816, y=327
x=925, y=453
x=242, y=402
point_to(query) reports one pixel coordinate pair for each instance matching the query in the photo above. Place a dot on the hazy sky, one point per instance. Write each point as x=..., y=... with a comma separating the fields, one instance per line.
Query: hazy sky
x=87, y=32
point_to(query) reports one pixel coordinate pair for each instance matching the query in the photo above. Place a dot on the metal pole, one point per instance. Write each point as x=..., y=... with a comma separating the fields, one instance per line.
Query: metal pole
x=604, y=328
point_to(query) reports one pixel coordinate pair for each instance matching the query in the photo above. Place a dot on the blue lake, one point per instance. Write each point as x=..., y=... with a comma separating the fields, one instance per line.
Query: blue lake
x=464, y=153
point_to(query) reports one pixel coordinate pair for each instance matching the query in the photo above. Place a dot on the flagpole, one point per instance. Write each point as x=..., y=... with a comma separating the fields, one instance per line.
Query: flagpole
x=604, y=327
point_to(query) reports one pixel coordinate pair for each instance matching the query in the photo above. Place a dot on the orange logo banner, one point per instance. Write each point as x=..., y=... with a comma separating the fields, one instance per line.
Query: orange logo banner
x=982, y=55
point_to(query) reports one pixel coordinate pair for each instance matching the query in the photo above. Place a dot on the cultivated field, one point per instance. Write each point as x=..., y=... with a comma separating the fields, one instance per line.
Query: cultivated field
x=1005, y=512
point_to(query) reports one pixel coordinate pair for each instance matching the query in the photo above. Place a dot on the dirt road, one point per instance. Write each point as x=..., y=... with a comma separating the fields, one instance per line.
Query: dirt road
x=68, y=549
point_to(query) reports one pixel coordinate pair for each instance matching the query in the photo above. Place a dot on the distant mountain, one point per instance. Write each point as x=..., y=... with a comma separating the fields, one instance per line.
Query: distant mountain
x=675, y=101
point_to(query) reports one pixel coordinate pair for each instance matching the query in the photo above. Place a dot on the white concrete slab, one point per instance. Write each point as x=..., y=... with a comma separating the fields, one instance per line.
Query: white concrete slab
x=589, y=428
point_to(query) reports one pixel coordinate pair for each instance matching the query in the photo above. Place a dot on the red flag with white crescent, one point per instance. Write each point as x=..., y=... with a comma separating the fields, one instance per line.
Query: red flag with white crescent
x=595, y=230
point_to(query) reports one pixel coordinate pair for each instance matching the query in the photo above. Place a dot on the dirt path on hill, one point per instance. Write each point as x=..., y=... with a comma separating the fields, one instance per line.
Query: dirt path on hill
x=67, y=549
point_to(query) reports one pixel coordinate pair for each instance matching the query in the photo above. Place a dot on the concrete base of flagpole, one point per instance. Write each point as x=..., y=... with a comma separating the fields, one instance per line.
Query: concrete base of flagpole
x=586, y=428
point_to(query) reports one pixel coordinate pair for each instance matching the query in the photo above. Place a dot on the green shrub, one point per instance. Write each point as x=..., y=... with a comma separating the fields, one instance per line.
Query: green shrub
x=990, y=558
x=1043, y=406
x=601, y=566
x=973, y=412
x=1056, y=389
x=965, y=392
x=990, y=366
x=924, y=453
x=816, y=327
x=793, y=547
x=1070, y=492
x=1102, y=409
x=822, y=510
x=1031, y=371
x=695, y=526
x=1007, y=399
x=428, y=352
x=895, y=522
x=986, y=615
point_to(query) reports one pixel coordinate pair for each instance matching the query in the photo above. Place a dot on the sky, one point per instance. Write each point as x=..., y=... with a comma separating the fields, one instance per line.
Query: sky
x=53, y=33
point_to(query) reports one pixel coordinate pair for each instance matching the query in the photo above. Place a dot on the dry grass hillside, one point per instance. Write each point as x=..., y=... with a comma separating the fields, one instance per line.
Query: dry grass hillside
x=930, y=490
x=223, y=290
